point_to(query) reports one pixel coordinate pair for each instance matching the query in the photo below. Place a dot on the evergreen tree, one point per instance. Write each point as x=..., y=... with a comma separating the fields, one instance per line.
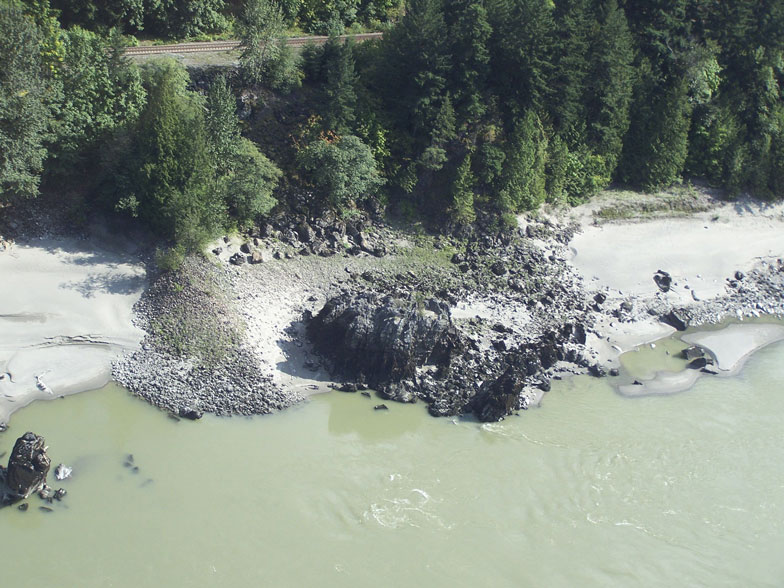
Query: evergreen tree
x=521, y=50
x=524, y=172
x=171, y=169
x=340, y=78
x=572, y=35
x=462, y=209
x=469, y=35
x=419, y=62
x=609, y=84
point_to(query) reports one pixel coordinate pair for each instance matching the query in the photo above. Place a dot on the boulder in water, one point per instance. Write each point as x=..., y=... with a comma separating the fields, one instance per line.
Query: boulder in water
x=27, y=467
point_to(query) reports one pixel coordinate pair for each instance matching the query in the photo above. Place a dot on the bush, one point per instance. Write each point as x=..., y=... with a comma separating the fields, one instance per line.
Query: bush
x=342, y=171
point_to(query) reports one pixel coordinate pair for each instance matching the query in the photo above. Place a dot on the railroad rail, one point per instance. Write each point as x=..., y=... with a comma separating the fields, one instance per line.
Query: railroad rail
x=217, y=46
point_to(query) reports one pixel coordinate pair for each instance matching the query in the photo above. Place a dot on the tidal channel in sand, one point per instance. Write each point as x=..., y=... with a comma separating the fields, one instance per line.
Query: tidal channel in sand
x=593, y=489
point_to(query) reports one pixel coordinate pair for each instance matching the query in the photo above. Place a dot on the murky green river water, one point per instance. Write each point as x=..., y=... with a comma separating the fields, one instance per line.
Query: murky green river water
x=593, y=489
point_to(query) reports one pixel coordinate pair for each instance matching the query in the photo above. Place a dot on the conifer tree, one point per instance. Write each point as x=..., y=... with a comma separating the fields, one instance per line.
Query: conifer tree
x=340, y=78
x=609, y=84
x=462, y=209
x=469, y=35
x=524, y=172
x=172, y=167
x=572, y=32
x=521, y=54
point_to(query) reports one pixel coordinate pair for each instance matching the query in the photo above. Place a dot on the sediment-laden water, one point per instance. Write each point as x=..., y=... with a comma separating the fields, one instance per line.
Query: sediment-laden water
x=593, y=489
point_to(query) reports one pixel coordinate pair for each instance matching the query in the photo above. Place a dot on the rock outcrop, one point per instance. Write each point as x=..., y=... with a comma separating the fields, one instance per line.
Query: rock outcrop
x=28, y=467
x=382, y=339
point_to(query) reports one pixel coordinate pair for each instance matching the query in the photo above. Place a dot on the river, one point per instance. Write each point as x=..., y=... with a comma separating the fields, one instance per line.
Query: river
x=591, y=490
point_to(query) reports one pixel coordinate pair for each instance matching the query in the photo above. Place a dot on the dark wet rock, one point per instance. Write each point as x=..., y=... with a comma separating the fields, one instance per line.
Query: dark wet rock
x=692, y=352
x=45, y=509
x=404, y=392
x=245, y=247
x=663, y=280
x=306, y=233
x=383, y=337
x=60, y=494
x=500, y=398
x=366, y=394
x=600, y=298
x=678, y=318
x=544, y=385
x=348, y=387
x=27, y=467
x=739, y=275
x=190, y=412
x=237, y=259
x=498, y=268
x=699, y=363
x=380, y=407
x=24, y=506
x=614, y=372
x=596, y=370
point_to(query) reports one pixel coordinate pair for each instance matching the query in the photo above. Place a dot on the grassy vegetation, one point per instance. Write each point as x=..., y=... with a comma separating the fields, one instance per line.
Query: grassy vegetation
x=628, y=205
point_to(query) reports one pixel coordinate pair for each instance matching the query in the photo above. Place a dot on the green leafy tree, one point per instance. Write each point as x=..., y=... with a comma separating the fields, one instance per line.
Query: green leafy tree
x=247, y=189
x=259, y=26
x=223, y=128
x=102, y=91
x=342, y=171
x=28, y=91
x=328, y=17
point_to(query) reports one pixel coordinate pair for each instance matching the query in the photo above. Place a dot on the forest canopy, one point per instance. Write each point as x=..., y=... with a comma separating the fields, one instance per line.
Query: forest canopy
x=465, y=110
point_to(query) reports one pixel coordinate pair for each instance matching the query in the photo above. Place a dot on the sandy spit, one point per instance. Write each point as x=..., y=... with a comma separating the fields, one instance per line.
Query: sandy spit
x=65, y=314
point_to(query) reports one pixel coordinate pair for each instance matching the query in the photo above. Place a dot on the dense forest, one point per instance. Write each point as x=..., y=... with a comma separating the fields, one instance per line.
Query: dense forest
x=466, y=108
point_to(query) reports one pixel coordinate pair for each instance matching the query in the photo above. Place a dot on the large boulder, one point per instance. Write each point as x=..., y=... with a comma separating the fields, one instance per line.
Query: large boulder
x=27, y=466
x=383, y=339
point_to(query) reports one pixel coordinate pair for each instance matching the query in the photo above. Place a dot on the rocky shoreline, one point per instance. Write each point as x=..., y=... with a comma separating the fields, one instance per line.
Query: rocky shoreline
x=479, y=324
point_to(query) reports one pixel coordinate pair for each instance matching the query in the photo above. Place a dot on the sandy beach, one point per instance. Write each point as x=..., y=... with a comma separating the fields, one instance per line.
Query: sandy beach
x=65, y=314
x=702, y=252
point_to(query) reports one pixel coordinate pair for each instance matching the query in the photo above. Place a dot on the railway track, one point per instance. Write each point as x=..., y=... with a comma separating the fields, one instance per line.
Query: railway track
x=217, y=46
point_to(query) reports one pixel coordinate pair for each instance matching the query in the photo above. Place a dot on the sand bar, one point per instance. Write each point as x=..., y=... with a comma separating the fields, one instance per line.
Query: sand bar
x=65, y=313
x=734, y=344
